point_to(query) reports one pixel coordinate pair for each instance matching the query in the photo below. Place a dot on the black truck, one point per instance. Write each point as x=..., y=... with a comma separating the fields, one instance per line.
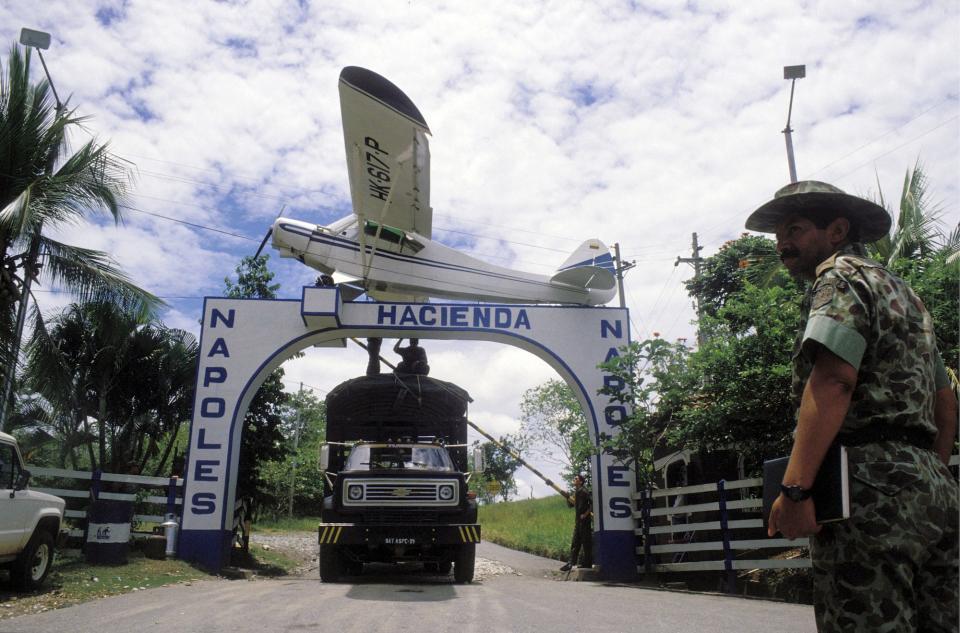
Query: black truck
x=396, y=472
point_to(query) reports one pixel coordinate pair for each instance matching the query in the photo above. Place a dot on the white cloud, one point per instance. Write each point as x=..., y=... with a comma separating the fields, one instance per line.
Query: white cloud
x=682, y=135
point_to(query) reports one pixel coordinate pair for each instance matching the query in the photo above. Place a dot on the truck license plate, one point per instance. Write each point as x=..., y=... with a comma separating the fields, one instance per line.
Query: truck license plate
x=399, y=540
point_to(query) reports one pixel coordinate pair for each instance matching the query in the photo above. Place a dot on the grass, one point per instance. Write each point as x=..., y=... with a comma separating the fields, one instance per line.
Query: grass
x=72, y=581
x=538, y=526
x=282, y=525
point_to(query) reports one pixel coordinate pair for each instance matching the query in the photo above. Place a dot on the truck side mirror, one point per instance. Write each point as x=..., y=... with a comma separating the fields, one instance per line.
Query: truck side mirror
x=22, y=479
x=324, y=457
x=479, y=460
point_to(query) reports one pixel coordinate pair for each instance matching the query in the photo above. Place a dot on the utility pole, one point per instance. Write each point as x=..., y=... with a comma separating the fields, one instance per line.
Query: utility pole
x=296, y=443
x=696, y=260
x=621, y=268
x=39, y=41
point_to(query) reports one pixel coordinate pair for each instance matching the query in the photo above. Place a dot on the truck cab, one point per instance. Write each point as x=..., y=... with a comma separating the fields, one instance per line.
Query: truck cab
x=396, y=479
x=29, y=521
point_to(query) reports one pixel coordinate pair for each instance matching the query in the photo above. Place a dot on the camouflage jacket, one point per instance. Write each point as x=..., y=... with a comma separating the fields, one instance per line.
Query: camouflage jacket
x=870, y=318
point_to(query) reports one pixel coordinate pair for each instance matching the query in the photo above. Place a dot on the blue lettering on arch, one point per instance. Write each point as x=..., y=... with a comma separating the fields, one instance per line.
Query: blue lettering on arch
x=408, y=317
x=502, y=317
x=203, y=503
x=620, y=507
x=214, y=375
x=204, y=470
x=202, y=440
x=522, y=320
x=606, y=327
x=216, y=315
x=428, y=310
x=615, y=476
x=219, y=347
x=614, y=383
x=611, y=354
x=212, y=407
x=458, y=316
x=481, y=317
x=386, y=314
x=615, y=414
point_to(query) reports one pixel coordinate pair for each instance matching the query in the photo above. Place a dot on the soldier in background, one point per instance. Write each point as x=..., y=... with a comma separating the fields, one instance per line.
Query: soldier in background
x=866, y=372
x=582, y=526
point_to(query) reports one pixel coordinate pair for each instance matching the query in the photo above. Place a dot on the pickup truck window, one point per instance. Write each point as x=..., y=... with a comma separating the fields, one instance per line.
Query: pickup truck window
x=9, y=466
x=376, y=457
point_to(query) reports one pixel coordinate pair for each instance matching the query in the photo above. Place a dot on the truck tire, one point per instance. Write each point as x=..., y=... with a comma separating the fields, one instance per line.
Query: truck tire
x=464, y=563
x=32, y=566
x=331, y=563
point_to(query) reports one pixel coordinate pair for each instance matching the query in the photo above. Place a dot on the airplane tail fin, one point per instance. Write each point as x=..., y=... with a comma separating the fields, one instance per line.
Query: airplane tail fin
x=590, y=266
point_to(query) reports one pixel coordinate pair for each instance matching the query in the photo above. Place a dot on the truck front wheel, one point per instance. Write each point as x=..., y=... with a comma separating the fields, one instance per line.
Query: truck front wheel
x=464, y=563
x=34, y=563
x=331, y=563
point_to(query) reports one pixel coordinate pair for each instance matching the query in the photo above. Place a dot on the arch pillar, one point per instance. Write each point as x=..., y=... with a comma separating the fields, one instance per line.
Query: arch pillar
x=243, y=340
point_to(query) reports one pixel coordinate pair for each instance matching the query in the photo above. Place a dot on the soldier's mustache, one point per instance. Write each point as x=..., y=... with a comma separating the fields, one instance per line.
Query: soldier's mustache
x=789, y=252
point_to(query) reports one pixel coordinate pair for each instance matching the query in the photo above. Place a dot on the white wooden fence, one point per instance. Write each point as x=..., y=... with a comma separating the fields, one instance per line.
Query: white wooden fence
x=171, y=501
x=671, y=525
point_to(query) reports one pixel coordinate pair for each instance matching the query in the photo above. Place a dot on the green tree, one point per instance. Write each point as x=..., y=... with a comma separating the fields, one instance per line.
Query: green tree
x=304, y=428
x=555, y=429
x=42, y=184
x=262, y=440
x=649, y=384
x=497, y=478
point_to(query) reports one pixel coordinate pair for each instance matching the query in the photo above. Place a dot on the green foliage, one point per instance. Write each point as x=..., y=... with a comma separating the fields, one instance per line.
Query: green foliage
x=643, y=370
x=555, y=429
x=262, y=440
x=538, y=526
x=304, y=428
x=105, y=380
x=936, y=281
x=43, y=185
x=497, y=480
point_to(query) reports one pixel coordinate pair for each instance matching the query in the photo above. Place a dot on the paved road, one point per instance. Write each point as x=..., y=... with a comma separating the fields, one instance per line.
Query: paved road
x=526, y=598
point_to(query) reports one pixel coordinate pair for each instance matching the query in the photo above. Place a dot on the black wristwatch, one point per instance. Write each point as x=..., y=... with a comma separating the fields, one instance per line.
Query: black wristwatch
x=795, y=493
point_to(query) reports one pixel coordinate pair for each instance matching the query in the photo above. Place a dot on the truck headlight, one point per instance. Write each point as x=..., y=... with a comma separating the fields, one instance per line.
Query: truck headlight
x=355, y=492
x=445, y=492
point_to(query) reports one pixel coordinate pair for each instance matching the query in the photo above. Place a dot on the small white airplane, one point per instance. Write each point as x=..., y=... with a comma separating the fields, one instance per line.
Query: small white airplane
x=385, y=244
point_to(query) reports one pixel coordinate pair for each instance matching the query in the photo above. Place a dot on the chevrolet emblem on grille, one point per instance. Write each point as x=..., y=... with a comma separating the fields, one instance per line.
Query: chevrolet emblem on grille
x=401, y=492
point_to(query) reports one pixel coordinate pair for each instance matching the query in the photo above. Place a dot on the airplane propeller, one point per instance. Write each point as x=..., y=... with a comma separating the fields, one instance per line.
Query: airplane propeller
x=266, y=237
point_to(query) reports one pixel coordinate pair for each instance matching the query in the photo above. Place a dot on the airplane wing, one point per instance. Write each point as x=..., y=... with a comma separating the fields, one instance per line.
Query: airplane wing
x=388, y=156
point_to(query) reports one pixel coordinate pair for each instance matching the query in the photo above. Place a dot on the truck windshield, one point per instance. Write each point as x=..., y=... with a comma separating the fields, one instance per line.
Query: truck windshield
x=390, y=456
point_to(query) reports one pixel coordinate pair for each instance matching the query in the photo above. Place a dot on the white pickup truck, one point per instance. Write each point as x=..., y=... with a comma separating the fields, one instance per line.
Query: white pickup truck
x=29, y=521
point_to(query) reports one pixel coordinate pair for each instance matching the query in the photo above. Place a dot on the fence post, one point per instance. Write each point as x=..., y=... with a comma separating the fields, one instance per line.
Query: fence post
x=172, y=495
x=95, y=484
x=645, y=499
x=731, y=583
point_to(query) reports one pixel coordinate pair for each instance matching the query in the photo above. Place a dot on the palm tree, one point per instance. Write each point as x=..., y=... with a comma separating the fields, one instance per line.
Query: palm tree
x=917, y=233
x=42, y=183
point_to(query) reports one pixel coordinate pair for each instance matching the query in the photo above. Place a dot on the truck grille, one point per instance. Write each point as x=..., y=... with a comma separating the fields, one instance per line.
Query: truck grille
x=401, y=492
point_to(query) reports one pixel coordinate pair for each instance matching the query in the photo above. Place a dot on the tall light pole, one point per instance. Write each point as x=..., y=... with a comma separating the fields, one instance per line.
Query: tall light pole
x=792, y=73
x=40, y=41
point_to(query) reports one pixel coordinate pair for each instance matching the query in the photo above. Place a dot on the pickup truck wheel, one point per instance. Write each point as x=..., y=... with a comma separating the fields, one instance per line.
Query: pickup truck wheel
x=34, y=563
x=444, y=567
x=331, y=563
x=464, y=563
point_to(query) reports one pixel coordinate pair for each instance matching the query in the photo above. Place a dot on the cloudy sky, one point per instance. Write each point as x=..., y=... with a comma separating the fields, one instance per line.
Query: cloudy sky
x=634, y=122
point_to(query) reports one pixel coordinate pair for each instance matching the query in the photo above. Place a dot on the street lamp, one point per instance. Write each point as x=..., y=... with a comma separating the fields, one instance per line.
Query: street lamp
x=792, y=73
x=39, y=41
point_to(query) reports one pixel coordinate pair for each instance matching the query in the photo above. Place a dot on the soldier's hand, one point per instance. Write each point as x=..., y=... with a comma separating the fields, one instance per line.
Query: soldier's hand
x=793, y=519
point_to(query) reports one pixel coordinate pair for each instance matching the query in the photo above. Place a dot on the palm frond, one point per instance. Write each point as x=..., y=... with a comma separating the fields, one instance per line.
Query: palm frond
x=93, y=276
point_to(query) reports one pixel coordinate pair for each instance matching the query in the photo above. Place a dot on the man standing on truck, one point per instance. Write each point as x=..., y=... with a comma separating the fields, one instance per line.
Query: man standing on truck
x=582, y=503
x=414, y=358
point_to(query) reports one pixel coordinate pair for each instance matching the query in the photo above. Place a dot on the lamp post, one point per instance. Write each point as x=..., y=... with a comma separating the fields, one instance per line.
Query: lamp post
x=792, y=73
x=40, y=41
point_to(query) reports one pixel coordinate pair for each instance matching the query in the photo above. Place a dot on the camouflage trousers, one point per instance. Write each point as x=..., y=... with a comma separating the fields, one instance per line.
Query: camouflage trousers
x=893, y=565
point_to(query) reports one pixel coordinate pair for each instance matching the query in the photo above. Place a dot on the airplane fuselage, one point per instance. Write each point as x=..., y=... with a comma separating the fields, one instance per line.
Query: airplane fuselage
x=407, y=266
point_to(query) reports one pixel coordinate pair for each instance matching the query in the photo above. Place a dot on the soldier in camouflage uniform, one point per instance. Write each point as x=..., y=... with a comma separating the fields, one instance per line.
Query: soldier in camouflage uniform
x=867, y=373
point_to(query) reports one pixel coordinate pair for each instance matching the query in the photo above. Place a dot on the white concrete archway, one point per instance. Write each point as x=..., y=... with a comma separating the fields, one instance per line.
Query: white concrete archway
x=243, y=341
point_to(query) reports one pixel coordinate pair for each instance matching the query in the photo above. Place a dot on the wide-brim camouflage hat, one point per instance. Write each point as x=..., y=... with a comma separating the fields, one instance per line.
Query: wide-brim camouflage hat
x=872, y=220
